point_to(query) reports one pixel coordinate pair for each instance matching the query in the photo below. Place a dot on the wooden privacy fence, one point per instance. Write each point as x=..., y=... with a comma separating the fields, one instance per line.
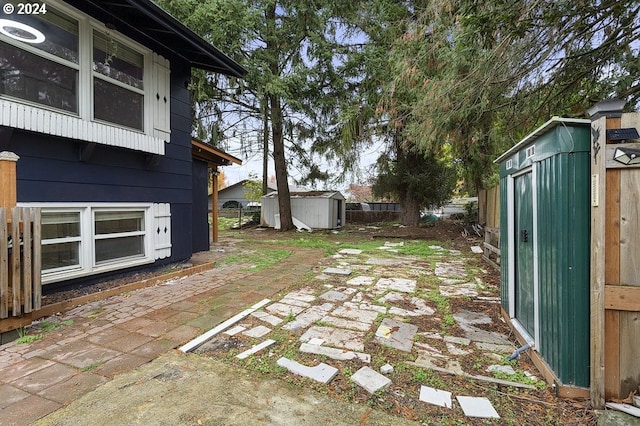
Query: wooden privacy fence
x=20, y=261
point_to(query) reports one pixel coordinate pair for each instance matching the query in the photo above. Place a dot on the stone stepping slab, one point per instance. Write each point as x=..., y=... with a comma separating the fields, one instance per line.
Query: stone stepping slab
x=283, y=309
x=337, y=271
x=255, y=349
x=234, y=330
x=357, y=314
x=370, y=380
x=396, y=334
x=268, y=318
x=404, y=285
x=434, y=396
x=322, y=372
x=346, y=323
x=333, y=353
x=334, y=296
x=308, y=317
x=477, y=407
x=257, y=331
x=361, y=280
x=347, y=339
x=348, y=251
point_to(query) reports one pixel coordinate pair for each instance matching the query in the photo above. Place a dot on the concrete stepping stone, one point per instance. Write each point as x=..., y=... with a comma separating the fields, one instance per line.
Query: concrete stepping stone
x=365, y=306
x=479, y=335
x=361, y=280
x=348, y=251
x=268, y=318
x=255, y=349
x=432, y=335
x=452, y=270
x=337, y=271
x=234, y=330
x=370, y=380
x=363, y=315
x=456, y=290
x=283, y=309
x=385, y=261
x=457, y=340
x=435, y=396
x=455, y=366
x=477, y=407
x=334, y=296
x=390, y=244
x=340, y=338
x=425, y=348
x=346, y=323
x=492, y=347
x=308, y=317
x=288, y=300
x=387, y=369
x=505, y=369
x=465, y=317
x=257, y=331
x=333, y=353
x=420, y=309
x=396, y=334
x=322, y=372
x=455, y=350
x=398, y=284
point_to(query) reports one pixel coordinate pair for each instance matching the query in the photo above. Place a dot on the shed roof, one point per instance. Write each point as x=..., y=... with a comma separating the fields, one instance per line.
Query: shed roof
x=309, y=194
x=555, y=121
x=148, y=23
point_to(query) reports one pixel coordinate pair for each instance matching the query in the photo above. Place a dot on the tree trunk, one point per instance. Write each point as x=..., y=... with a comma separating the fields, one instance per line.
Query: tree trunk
x=282, y=178
x=265, y=144
x=410, y=215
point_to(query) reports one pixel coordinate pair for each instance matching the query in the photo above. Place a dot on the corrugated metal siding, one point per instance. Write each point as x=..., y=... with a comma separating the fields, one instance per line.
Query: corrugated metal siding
x=563, y=262
x=563, y=242
x=504, y=247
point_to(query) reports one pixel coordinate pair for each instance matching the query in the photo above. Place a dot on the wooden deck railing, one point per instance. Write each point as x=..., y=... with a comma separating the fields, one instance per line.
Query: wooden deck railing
x=20, y=262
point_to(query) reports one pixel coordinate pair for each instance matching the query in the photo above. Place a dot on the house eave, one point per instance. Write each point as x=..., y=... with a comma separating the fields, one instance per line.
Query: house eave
x=151, y=25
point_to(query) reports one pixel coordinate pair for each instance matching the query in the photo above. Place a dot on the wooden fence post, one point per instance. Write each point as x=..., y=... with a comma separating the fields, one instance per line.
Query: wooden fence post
x=8, y=192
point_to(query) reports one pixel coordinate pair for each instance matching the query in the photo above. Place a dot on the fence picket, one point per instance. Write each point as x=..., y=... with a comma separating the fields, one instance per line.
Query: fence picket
x=4, y=265
x=20, y=273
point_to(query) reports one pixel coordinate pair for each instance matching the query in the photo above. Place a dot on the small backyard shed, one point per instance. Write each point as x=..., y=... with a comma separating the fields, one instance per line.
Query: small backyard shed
x=545, y=248
x=313, y=209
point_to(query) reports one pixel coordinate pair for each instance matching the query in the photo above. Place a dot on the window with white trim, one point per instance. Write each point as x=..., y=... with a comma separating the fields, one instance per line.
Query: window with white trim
x=82, y=81
x=80, y=239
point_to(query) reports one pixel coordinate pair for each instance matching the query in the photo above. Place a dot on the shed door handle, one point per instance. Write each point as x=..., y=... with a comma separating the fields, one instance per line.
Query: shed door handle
x=524, y=236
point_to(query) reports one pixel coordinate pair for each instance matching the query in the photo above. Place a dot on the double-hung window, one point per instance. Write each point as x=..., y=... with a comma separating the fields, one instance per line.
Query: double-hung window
x=118, y=89
x=63, y=73
x=80, y=239
x=45, y=73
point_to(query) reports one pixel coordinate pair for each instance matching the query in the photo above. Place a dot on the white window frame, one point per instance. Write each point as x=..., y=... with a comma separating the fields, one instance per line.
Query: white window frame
x=88, y=265
x=23, y=114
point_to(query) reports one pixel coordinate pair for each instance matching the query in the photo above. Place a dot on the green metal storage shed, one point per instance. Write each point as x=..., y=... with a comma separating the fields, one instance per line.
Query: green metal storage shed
x=545, y=244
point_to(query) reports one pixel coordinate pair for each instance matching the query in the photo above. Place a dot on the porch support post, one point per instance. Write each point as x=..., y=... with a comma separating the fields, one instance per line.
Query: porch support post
x=214, y=204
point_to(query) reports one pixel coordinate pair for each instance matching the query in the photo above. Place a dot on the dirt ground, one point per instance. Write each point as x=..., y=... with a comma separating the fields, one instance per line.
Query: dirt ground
x=214, y=389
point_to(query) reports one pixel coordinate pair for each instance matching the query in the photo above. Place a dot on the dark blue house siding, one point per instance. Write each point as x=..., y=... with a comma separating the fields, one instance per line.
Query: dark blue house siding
x=200, y=219
x=51, y=169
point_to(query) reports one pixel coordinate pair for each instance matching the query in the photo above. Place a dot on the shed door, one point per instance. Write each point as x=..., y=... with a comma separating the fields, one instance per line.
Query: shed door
x=524, y=276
